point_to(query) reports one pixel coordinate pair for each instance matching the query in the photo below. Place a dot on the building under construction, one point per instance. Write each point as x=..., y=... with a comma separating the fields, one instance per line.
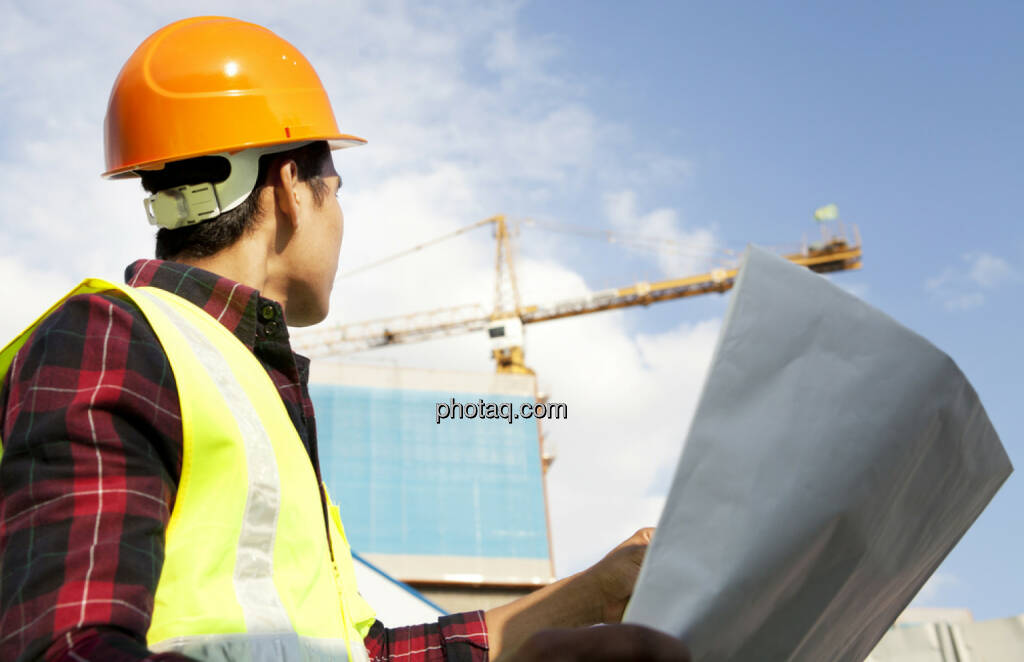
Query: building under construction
x=456, y=508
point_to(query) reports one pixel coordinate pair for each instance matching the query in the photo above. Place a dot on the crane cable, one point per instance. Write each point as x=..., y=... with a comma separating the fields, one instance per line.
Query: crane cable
x=417, y=247
x=655, y=244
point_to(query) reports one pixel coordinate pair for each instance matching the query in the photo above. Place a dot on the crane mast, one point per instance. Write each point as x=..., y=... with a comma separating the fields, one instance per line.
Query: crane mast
x=506, y=328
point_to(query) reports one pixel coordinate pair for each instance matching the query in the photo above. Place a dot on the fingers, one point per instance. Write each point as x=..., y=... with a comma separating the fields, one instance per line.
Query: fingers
x=641, y=537
x=645, y=534
x=637, y=544
x=638, y=541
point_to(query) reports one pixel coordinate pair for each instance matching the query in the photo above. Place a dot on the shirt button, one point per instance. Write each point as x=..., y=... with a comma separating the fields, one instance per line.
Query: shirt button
x=271, y=329
x=267, y=312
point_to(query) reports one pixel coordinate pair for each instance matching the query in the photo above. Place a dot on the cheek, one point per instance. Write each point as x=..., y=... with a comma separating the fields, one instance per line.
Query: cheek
x=340, y=230
x=332, y=244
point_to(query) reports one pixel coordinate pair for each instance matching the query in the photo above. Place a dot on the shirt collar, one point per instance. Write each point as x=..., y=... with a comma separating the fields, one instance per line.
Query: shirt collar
x=238, y=307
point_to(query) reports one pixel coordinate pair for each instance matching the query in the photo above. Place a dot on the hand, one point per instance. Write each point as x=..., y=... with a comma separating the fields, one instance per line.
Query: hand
x=607, y=643
x=615, y=574
x=598, y=594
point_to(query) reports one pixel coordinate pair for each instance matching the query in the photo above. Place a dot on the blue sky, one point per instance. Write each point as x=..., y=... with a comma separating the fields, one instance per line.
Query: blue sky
x=711, y=123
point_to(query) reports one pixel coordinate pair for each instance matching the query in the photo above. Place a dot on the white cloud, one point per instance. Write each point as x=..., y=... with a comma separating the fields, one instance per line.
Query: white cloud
x=630, y=402
x=966, y=286
x=509, y=52
x=988, y=270
x=33, y=291
x=683, y=251
x=931, y=594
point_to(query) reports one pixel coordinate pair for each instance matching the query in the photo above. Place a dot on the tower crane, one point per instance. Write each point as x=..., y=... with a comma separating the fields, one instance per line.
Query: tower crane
x=505, y=320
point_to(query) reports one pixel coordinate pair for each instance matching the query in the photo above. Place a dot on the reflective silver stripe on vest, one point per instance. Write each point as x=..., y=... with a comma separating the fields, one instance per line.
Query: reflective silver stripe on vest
x=254, y=564
x=258, y=648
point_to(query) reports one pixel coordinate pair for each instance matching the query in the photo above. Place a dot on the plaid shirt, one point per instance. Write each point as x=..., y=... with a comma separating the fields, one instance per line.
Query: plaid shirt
x=92, y=444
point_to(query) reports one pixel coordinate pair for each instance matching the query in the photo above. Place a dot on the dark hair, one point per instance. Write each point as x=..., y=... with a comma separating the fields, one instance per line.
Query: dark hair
x=206, y=238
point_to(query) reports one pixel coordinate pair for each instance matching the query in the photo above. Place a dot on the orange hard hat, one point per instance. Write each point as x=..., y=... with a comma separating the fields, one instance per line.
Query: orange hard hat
x=212, y=85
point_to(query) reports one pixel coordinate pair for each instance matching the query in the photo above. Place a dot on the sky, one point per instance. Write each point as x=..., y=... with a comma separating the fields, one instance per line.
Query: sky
x=709, y=124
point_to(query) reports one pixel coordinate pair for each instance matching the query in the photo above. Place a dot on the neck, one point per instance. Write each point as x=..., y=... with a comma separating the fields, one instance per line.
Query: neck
x=249, y=262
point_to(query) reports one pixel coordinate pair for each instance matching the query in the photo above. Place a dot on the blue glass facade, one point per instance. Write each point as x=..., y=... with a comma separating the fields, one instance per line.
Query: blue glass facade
x=409, y=485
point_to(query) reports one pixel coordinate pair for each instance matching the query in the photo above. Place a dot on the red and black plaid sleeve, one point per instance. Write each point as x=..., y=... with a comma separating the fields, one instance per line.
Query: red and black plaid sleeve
x=87, y=480
x=454, y=638
x=92, y=439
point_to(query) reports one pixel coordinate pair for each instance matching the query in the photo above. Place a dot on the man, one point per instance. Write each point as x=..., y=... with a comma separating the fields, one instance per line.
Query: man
x=160, y=495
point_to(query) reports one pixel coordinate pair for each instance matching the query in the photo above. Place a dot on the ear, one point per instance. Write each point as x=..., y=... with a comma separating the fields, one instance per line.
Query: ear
x=286, y=191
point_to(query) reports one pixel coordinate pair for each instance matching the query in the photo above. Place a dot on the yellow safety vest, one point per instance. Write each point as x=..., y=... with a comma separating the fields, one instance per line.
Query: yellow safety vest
x=248, y=573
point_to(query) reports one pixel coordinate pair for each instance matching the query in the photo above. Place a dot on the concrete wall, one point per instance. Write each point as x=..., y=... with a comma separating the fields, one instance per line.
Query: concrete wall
x=1000, y=640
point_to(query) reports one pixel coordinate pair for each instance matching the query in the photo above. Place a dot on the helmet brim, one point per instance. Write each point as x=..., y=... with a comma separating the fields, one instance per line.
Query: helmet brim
x=339, y=141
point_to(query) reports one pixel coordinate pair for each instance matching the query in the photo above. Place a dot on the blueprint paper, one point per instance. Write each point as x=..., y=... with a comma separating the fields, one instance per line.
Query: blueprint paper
x=834, y=459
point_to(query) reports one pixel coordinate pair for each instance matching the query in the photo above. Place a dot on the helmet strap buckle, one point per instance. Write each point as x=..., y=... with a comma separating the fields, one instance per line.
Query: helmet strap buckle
x=177, y=207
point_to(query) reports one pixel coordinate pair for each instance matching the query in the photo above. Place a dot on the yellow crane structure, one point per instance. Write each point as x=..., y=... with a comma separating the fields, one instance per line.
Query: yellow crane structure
x=505, y=320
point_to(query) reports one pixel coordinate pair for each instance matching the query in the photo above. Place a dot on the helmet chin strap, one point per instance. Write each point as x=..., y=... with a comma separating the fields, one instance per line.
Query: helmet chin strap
x=190, y=204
